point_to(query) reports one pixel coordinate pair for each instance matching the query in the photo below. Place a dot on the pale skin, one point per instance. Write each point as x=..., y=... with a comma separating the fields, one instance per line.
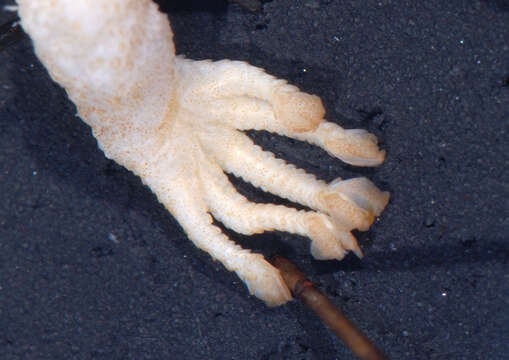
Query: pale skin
x=178, y=124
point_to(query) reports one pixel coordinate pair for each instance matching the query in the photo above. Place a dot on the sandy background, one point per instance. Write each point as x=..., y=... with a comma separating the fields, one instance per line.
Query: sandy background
x=92, y=267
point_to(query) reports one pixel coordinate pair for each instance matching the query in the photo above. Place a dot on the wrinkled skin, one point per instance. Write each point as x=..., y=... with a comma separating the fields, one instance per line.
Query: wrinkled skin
x=178, y=124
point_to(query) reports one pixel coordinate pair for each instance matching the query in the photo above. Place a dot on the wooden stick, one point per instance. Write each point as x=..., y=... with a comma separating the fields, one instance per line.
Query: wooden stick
x=300, y=286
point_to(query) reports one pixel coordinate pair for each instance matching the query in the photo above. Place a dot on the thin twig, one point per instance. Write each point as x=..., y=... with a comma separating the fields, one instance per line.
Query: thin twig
x=327, y=311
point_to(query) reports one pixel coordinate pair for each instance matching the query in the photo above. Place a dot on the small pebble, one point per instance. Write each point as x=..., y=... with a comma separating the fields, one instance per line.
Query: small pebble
x=429, y=221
